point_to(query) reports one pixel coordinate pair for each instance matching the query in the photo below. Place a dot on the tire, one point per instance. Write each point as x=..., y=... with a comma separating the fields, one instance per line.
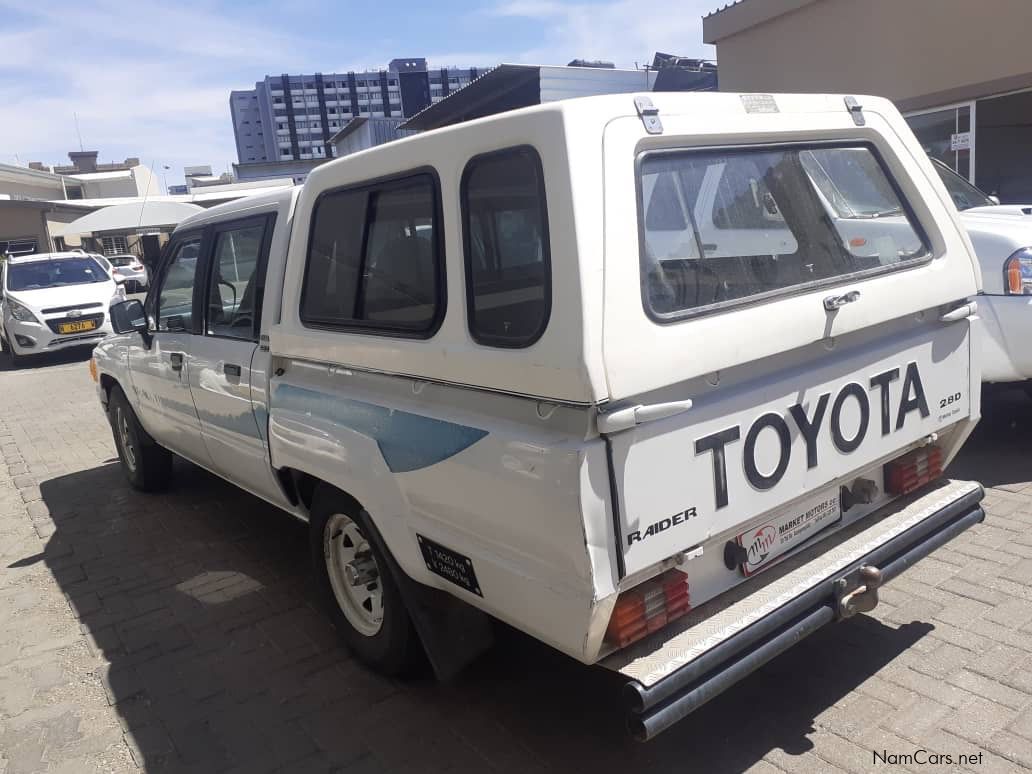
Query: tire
x=390, y=645
x=13, y=357
x=147, y=466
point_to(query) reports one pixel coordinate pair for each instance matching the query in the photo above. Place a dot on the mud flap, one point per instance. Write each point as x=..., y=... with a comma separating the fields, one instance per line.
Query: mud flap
x=453, y=633
x=676, y=671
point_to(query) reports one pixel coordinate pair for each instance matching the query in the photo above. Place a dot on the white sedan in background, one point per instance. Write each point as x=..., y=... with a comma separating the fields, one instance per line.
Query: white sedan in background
x=131, y=269
x=52, y=301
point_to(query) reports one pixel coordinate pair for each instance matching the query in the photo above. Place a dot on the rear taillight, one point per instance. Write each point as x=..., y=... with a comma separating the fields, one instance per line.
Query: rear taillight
x=648, y=607
x=1017, y=273
x=913, y=470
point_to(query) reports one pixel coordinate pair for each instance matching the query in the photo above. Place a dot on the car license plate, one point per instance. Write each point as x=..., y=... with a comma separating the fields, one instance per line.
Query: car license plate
x=76, y=327
x=786, y=529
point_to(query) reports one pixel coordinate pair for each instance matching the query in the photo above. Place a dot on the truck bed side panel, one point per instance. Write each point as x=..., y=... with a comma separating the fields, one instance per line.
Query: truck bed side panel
x=482, y=475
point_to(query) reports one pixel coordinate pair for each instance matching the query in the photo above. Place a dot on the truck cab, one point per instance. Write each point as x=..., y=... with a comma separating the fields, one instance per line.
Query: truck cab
x=611, y=370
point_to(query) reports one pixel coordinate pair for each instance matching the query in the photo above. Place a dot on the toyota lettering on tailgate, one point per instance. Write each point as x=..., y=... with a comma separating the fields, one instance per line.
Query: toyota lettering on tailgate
x=761, y=444
x=809, y=424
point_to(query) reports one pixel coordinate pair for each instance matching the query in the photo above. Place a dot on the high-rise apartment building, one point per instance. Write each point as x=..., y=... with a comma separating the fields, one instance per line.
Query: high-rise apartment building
x=293, y=117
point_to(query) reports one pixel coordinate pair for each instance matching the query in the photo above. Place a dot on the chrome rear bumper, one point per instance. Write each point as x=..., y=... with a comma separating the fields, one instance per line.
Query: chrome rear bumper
x=673, y=674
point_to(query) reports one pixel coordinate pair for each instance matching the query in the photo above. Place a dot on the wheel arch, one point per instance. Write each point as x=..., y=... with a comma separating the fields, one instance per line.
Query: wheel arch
x=300, y=487
x=452, y=632
x=107, y=383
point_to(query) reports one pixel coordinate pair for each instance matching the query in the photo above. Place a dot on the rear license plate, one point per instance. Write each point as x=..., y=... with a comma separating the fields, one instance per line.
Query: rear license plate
x=76, y=327
x=788, y=528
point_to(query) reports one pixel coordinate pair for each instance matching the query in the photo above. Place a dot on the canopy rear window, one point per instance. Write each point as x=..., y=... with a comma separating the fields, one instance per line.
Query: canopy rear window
x=729, y=226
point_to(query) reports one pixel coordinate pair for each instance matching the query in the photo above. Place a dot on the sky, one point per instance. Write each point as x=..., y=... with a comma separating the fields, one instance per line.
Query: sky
x=151, y=78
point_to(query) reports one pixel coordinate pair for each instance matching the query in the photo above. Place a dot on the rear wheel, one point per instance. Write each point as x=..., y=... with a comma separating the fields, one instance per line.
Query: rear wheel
x=356, y=585
x=147, y=466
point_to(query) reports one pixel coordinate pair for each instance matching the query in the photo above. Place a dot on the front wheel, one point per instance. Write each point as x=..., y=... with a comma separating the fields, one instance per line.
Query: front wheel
x=147, y=466
x=13, y=357
x=356, y=585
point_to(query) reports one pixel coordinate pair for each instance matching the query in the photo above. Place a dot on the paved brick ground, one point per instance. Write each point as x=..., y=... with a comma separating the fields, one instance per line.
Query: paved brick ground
x=174, y=633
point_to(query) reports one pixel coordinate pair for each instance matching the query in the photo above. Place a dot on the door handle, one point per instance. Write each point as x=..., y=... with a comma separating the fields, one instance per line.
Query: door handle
x=831, y=303
x=176, y=358
x=231, y=369
x=960, y=313
x=626, y=418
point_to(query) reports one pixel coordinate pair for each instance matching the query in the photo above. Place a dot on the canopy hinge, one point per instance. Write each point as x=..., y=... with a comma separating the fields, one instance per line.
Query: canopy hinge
x=649, y=115
x=856, y=110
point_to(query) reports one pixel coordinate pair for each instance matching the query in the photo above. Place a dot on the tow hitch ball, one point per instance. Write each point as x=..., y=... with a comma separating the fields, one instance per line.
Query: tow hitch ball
x=863, y=598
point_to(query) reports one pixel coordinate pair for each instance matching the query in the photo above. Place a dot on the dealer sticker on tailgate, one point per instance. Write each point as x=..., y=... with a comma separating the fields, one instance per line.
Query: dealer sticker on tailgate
x=763, y=543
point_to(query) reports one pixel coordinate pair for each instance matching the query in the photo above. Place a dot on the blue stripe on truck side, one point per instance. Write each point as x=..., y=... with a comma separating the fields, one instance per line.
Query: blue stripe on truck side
x=407, y=441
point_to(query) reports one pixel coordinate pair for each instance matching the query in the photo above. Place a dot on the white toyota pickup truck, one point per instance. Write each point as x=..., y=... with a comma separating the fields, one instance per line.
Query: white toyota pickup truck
x=511, y=370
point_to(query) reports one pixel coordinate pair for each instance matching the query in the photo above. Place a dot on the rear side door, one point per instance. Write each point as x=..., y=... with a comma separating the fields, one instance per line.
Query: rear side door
x=160, y=373
x=226, y=359
x=784, y=350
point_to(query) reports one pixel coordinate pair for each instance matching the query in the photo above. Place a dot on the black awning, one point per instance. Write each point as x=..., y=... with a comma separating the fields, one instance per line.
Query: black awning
x=506, y=87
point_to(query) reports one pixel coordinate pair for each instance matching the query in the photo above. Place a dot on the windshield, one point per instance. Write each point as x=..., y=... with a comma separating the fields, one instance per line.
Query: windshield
x=964, y=195
x=52, y=274
x=121, y=261
x=726, y=226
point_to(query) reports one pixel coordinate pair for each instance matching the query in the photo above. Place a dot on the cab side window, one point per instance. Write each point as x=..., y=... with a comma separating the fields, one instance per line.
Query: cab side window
x=505, y=235
x=375, y=259
x=175, y=299
x=234, y=289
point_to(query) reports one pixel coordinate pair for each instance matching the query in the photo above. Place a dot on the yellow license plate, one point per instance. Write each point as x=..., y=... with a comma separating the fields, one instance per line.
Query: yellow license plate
x=76, y=327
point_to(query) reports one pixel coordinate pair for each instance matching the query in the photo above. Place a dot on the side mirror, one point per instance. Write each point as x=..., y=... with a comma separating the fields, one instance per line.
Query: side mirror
x=994, y=199
x=128, y=316
x=118, y=278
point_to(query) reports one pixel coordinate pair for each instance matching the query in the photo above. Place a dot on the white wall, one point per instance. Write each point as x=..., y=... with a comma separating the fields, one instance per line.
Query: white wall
x=147, y=183
x=139, y=181
x=18, y=182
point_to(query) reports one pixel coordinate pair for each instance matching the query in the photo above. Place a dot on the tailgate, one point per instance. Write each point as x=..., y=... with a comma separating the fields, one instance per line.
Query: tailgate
x=678, y=669
x=749, y=448
x=782, y=270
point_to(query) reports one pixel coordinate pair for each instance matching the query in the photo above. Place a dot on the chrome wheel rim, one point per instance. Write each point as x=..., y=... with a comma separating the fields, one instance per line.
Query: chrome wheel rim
x=128, y=450
x=354, y=574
